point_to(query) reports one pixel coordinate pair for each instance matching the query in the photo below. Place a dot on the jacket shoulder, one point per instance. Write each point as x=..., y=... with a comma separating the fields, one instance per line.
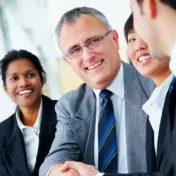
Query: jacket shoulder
x=6, y=128
x=77, y=94
x=74, y=100
x=48, y=100
x=147, y=84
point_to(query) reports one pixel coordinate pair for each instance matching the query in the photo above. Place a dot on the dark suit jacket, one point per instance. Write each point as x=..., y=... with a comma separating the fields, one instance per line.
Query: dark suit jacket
x=13, y=160
x=166, y=150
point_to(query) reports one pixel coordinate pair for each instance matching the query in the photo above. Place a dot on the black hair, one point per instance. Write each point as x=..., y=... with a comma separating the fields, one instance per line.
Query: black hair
x=171, y=3
x=21, y=54
x=128, y=26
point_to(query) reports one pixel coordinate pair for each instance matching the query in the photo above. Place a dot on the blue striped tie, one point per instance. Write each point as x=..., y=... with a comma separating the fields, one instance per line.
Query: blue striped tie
x=107, y=142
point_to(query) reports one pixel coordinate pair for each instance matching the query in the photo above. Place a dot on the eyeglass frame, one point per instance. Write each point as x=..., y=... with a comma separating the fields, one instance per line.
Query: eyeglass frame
x=87, y=46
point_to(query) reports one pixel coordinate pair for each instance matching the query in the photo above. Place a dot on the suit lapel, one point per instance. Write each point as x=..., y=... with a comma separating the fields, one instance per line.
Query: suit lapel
x=83, y=125
x=15, y=152
x=167, y=120
x=135, y=121
x=89, y=150
x=47, y=131
x=150, y=150
x=163, y=132
x=174, y=124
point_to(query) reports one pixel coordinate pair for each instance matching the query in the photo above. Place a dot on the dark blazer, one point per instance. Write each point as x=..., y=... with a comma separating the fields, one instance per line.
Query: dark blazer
x=13, y=160
x=166, y=150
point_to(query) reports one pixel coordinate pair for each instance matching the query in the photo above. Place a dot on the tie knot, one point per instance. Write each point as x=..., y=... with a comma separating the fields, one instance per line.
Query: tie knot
x=105, y=93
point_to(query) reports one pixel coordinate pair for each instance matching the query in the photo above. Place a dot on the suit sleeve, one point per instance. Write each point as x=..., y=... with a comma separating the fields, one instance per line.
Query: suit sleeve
x=64, y=146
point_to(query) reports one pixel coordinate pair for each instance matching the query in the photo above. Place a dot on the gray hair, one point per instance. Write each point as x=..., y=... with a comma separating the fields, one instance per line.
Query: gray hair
x=75, y=13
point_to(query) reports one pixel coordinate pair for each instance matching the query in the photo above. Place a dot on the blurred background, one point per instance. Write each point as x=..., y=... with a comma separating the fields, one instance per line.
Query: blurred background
x=30, y=25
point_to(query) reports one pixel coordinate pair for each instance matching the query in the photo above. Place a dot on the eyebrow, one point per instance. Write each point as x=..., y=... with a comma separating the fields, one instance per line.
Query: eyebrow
x=11, y=74
x=15, y=73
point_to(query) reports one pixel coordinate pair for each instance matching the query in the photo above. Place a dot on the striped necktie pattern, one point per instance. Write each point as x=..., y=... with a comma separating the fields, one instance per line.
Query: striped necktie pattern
x=107, y=141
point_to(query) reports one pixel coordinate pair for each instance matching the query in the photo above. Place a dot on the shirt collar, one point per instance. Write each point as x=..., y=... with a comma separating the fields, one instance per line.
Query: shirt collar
x=158, y=96
x=36, y=126
x=172, y=63
x=117, y=85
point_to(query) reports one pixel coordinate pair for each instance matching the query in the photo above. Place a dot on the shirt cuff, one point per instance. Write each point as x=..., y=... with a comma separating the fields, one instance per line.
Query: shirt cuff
x=49, y=170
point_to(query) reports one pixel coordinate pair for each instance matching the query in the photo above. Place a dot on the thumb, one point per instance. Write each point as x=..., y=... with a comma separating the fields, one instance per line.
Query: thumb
x=65, y=167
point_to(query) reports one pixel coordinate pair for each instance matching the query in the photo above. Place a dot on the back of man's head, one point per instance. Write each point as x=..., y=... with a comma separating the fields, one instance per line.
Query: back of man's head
x=73, y=14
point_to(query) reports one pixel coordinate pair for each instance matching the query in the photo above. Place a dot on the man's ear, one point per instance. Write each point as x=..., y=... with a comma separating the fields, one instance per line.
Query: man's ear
x=152, y=8
x=67, y=60
x=5, y=89
x=115, y=38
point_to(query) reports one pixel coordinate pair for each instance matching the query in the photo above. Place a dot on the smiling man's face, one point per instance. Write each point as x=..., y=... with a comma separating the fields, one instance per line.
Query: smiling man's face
x=98, y=66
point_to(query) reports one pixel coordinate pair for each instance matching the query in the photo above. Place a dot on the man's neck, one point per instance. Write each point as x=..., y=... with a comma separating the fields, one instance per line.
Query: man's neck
x=167, y=29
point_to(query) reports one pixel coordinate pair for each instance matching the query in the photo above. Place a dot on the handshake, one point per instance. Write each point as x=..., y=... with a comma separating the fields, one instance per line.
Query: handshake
x=73, y=168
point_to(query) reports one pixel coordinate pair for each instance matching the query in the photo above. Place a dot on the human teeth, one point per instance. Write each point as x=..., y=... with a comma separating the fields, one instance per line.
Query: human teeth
x=142, y=58
x=93, y=66
x=25, y=92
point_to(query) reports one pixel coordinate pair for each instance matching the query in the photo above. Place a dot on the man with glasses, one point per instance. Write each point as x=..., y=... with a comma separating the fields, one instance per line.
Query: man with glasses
x=102, y=122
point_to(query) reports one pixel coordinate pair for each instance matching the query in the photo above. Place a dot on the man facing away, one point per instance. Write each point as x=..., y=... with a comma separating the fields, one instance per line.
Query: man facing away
x=158, y=31
x=155, y=22
x=90, y=46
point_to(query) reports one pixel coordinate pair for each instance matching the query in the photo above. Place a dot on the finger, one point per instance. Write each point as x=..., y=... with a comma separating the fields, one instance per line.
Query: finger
x=65, y=167
x=91, y=166
x=93, y=169
x=72, y=165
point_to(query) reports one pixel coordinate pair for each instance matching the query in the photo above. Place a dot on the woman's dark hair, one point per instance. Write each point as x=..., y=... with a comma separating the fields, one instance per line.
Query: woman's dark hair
x=21, y=54
x=128, y=26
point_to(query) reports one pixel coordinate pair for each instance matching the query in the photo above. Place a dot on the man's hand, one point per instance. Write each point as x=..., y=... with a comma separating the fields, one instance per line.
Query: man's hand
x=70, y=172
x=81, y=168
x=55, y=171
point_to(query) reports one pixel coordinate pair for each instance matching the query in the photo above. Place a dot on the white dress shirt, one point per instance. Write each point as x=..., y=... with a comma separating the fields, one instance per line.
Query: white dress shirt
x=117, y=88
x=172, y=63
x=154, y=107
x=31, y=138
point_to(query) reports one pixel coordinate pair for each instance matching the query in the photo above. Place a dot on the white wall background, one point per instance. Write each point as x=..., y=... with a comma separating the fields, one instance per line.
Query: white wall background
x=116, y=11
x=7, y=107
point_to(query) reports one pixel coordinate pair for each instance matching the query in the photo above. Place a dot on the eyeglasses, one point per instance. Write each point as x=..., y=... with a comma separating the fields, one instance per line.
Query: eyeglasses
x=92, y=43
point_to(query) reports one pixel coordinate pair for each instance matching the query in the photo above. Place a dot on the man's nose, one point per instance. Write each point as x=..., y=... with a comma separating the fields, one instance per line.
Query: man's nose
x=88, y=53
x=140, y=45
